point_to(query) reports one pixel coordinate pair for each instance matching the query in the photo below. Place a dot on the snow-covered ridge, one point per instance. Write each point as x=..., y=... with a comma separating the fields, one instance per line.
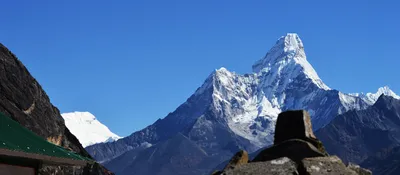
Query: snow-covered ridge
x=88, y=129
x=371, y=98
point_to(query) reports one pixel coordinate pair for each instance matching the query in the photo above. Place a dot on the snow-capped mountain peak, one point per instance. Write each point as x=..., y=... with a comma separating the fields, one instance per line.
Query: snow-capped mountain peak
x=288, y=56
x=291, y=41
x=282, y=80
x=386, y=91
x=371, y=98
x=87, y=128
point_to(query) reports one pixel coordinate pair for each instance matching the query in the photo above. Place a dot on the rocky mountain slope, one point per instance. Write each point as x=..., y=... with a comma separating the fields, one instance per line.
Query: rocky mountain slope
x=232, y=111
x=384, y=162
x=158, y=162
x=356, y=135
x=23, y=99
x=88, y=129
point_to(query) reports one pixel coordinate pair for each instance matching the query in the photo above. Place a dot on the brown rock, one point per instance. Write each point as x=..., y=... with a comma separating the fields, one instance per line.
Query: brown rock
x=281, y=166
x=240, y=158
x=293, y=125
x=326, y=165
x=358, y=169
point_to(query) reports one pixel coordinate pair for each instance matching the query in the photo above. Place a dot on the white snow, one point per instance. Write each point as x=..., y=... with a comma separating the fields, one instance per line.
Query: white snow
x=371, y=98
x=288, y=55
x=347, y=101
x=146, y=145
x=87, y=128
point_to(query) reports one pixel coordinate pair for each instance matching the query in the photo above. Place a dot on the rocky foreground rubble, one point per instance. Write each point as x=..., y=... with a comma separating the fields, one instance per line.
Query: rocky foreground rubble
x=296, y=150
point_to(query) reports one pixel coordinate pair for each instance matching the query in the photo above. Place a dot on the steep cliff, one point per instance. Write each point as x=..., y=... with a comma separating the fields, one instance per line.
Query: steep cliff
x=22, y=98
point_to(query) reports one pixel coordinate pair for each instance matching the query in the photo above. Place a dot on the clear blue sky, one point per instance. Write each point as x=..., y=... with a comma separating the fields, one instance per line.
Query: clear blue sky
x=131, y=62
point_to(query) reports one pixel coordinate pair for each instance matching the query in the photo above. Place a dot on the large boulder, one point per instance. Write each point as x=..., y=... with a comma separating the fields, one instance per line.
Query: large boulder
x=296, y=125
x=293, y=125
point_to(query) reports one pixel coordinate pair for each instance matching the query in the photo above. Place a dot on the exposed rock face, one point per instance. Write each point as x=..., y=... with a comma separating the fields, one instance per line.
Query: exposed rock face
x=294, y=152
x=23, y=99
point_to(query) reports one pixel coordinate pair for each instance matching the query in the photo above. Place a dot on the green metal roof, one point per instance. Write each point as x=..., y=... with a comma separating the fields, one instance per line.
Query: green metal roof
x=18, y=141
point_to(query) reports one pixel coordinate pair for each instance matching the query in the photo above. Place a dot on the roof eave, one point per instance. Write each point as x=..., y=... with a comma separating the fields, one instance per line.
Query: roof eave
x=48, y=160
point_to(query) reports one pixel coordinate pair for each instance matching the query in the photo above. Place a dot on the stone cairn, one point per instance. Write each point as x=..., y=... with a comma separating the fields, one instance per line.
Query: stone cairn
x=296, y=150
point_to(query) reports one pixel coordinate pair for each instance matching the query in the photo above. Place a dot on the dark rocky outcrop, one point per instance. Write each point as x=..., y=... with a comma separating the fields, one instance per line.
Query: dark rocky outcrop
x=23, y=99
x=296, y=150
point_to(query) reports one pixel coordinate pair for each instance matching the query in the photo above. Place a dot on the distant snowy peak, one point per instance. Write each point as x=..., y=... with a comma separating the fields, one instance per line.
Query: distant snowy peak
x=371, y=98
x=288, y=56
x=87, y=128
x=386, y=91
